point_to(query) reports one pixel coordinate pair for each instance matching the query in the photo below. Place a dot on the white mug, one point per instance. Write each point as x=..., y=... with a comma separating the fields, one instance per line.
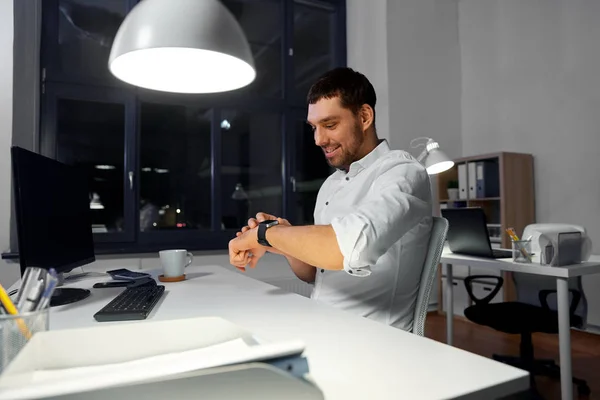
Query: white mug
x=174, y=262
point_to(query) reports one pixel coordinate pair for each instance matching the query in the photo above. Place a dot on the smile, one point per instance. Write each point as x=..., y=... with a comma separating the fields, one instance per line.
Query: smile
x=331, y=152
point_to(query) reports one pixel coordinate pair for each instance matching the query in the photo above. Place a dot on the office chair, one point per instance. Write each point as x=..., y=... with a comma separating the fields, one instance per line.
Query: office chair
x=534, y=311
x=434, y=252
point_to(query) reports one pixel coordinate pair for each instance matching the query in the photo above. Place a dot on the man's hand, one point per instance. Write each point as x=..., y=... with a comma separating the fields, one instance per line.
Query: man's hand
x=245, y=250
x=260, y=217
x=302, y=270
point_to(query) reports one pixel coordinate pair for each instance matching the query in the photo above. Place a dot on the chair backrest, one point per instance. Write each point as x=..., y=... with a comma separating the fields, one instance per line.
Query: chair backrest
x=429, y=272
x=528, y=287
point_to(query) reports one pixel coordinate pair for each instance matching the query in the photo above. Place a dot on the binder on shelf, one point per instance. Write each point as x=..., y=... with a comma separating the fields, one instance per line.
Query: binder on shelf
x=472, y=180
x=487, y=179
x=462, y=181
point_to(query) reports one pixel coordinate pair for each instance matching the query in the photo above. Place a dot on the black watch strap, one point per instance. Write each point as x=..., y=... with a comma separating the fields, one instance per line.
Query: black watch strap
x=262, y=231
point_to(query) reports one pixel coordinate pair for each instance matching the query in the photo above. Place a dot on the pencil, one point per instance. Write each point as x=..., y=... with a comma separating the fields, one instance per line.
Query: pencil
x=515, y=238
x=12, y=310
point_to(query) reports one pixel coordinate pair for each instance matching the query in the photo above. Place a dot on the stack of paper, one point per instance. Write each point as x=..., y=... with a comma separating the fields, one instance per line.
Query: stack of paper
x=35, y=382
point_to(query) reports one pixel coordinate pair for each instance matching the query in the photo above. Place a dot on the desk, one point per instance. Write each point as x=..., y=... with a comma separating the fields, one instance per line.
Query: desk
x=562, y=275
x=349, y=357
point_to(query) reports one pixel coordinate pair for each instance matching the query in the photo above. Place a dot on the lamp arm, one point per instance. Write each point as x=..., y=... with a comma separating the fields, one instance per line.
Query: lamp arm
x=422, y=156
x=414, y=146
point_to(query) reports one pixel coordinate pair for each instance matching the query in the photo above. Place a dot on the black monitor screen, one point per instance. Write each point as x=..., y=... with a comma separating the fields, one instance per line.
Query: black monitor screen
x=53, y=213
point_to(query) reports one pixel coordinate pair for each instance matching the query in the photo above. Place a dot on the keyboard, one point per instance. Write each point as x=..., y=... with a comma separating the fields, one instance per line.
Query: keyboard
x=497, y=253
x=131, y=304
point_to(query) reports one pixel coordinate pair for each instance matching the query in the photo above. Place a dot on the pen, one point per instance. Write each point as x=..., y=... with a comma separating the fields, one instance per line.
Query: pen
x=29, y=281
x=10, y=307
x=32, y=297
x=515, y=238
x=47, y=295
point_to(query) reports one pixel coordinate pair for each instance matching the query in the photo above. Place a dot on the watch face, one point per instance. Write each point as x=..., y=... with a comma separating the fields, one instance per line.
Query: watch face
x=269, y=223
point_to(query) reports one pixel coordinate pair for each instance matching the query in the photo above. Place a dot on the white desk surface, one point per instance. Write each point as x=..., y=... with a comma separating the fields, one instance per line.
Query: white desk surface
x=349, y=357
x=589, y=267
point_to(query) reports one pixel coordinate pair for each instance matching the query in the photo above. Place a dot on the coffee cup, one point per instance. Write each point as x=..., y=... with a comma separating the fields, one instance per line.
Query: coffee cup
x=174, y=262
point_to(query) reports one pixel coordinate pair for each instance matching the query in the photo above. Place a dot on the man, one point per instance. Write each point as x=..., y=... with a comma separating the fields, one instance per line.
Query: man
x=373, y=216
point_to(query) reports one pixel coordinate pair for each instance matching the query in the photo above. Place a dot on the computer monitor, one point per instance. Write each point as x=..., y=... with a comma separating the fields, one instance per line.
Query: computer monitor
x=53, y=218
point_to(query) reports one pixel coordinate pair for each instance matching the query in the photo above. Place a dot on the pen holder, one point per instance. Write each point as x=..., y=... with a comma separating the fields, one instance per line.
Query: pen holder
x=521, y=251
x=16, y=330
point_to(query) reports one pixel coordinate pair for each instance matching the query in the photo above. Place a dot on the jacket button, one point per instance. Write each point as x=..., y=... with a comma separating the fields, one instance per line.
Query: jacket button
x=347, y=178
x=322, y=271
x=326, y=203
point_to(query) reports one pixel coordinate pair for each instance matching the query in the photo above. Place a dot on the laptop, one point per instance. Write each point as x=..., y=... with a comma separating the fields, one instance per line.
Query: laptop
x=468, y=233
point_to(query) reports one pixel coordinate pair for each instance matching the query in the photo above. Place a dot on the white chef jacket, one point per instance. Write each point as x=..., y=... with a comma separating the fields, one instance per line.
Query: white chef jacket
x=381, y=213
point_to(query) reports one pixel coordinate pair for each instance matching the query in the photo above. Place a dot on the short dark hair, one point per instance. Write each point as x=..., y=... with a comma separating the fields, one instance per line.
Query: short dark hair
x=352, y=87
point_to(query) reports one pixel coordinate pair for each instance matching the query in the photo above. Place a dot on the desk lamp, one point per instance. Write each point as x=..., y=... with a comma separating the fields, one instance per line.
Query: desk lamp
x=182, y=46
x=434, y=160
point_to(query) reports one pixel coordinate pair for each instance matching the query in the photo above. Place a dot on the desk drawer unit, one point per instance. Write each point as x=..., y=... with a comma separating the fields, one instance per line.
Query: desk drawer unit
x=458, y=271
x=485, y=271
x=461, y=298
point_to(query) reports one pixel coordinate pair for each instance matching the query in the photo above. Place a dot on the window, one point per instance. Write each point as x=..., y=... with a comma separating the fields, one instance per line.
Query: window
x=188, y=170
x=314, y=45
x=250, y=165
x=262, y=23
x=90, y=135
x=175, y=167
x=77, y=37
x=310, y=169
x=88, y=128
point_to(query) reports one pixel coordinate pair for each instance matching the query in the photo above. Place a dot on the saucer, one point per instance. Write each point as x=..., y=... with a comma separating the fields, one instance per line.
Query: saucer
x=163, y=278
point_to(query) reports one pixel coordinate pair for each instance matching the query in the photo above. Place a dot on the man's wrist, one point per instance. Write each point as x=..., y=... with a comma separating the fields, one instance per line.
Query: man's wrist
x=252, y=237
x=253, y=240
x=263, y=227
x=271, y=234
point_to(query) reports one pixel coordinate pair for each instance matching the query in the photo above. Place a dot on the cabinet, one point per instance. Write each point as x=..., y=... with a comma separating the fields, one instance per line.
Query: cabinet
x=502, y=185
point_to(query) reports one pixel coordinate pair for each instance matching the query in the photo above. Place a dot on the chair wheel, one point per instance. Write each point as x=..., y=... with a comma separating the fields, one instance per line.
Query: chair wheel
x=583, y=390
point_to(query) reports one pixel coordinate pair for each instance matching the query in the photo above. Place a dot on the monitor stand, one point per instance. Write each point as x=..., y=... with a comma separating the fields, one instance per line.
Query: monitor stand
x=62, y=295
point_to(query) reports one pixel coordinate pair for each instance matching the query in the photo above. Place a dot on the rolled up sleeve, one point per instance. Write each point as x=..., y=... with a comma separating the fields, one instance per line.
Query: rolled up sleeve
x=403, y=200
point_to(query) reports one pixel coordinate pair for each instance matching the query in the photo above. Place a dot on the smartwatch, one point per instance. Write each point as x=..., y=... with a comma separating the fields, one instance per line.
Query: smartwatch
x=262, y=231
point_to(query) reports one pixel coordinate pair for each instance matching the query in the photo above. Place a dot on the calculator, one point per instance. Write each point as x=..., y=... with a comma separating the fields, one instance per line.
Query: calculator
x=125, y=274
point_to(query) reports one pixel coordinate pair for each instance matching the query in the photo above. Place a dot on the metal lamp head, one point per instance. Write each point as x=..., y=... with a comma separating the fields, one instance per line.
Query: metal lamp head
x=434, y=160
x=182, y=46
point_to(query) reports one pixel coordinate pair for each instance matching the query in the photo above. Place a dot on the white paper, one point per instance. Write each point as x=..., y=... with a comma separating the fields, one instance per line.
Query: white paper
x=73, y=380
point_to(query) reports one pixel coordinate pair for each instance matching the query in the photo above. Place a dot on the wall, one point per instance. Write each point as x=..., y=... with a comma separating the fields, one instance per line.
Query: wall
x=410, y=52
x=366, y=38
x=8, y=274
x=531, y=83
x=424, y=73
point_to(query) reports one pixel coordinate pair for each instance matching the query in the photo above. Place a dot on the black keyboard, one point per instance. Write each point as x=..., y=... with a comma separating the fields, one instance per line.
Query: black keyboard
x=497, y=253
x=131, y=304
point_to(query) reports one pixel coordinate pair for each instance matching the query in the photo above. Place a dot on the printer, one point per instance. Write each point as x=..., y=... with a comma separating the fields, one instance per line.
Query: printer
x=559, y=244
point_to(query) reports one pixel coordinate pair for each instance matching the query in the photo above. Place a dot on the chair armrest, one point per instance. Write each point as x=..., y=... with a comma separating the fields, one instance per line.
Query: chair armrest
x=469, y=286
x=543, y=295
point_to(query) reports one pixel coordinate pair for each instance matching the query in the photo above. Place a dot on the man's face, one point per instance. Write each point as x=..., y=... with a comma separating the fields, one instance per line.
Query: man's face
x=338, y=132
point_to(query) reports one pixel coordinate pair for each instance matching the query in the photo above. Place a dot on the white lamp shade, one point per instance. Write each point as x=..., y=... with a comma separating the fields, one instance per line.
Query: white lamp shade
x=182, y=46
x=437, y=162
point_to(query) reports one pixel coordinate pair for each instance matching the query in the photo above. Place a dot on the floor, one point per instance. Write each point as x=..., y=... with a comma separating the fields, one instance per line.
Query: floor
x=486, y=341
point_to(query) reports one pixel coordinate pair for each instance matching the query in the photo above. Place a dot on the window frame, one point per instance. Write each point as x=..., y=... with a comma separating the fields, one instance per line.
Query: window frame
x=56, y=84
x=51, y=94
x=50, y=48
